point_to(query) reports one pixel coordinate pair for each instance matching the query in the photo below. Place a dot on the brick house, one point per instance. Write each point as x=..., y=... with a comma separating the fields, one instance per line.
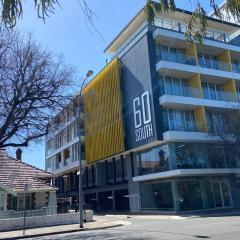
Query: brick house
x=14, y=176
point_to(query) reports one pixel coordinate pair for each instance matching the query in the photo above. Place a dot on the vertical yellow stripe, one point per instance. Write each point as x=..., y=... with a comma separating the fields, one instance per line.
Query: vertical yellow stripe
x=106, y=135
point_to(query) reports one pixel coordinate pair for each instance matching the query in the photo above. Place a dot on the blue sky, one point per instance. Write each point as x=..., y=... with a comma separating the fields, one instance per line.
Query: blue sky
x=67, y=32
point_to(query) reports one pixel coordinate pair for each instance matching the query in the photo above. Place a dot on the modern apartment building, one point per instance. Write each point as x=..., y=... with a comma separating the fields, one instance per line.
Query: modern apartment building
x=148, y=121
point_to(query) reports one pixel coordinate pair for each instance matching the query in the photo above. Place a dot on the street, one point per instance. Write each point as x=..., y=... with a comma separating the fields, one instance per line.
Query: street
x=164, y=228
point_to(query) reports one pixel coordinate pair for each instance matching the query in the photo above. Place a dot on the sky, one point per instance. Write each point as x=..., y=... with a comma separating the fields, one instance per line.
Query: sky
x=66, y=32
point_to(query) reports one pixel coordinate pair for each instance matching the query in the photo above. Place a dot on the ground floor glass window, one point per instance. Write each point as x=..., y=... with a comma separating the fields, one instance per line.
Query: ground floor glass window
x=157, y=196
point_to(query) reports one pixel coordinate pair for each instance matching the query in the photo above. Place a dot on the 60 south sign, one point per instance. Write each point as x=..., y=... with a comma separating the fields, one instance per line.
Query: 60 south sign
x=142, y=117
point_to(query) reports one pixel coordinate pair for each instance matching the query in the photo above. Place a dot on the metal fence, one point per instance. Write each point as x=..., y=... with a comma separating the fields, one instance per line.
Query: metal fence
x=29, y=213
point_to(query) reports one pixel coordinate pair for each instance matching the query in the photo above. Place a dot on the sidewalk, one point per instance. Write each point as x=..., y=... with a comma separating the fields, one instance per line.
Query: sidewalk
x=98, y=224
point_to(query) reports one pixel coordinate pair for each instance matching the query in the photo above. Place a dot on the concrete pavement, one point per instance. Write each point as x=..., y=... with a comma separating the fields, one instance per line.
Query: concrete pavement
x=139, y=228
x=99, y=223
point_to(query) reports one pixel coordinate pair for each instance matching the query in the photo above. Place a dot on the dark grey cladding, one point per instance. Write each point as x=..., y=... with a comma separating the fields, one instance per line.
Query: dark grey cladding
x=139, y=78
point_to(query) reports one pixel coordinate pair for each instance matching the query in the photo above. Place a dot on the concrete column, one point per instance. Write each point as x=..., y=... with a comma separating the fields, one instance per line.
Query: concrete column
x=175, y=195
x=52, y=199
x=133, y=187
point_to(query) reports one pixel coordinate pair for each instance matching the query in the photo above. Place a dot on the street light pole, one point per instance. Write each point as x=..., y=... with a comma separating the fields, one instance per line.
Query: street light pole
x=80, y=201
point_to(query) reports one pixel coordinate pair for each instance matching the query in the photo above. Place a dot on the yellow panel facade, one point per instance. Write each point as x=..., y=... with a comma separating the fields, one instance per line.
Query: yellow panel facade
x=225, y=57
x=196, y=86
x=230, y=90
x=200, y=119
x=104, y=134
x=191, y=51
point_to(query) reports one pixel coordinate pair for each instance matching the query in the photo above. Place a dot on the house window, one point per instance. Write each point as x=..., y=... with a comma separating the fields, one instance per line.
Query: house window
x=2, y=201
x=66, y=155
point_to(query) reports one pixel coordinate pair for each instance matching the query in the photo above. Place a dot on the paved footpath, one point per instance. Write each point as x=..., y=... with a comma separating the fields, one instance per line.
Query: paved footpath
x=99, y=223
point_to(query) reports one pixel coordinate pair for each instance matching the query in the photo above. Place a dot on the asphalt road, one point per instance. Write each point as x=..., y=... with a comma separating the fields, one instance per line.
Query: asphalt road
x=137, y=228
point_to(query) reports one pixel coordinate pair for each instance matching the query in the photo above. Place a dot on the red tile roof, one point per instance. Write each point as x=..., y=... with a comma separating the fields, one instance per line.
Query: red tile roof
x=14, y=174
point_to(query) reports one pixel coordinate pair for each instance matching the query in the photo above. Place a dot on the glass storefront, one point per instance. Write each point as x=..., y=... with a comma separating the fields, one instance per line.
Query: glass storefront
x=190, y=156
x=154, y=160
x=186, y=156
x=189, y=194
x=157, y=196
x=203, y=193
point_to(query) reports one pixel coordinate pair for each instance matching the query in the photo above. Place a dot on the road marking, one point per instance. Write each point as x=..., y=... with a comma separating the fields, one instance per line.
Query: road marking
x=120, y=222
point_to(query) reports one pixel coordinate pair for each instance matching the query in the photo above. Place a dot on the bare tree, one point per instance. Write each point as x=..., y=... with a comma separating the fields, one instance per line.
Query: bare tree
x=34, y=84
x=227, y=129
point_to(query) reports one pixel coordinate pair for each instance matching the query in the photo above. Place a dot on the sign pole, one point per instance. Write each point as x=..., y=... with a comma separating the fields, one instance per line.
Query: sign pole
x=24, y=213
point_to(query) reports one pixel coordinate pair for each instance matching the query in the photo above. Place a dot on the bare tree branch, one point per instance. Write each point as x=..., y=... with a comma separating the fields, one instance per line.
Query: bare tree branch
x=34, y=84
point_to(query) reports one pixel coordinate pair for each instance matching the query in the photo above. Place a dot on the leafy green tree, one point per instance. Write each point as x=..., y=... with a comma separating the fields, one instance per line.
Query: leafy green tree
x=197, y=25
x=12, y=10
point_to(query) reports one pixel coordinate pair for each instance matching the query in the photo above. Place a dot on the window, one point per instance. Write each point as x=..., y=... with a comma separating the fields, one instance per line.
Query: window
x=154, y=160
x=2, y=201
x=216, y=156
x=157, y=196
x=58, y=160
x=215, y=121
x=208, y=61
x=170, y=54
x=236, y=65
x=179, y=120
x=213, y=91
x=66, y=155
x=189, y=195
x=190, y=156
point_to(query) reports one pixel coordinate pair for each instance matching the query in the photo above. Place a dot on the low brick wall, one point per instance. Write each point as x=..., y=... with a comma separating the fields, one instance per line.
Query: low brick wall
x=43, y=221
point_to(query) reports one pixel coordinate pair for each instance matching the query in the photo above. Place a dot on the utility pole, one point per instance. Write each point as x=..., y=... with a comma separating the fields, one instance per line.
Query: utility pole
x=89, y=74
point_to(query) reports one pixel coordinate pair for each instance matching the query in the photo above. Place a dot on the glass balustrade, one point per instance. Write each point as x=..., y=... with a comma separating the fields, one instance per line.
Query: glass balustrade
x=182, y=91
x=184, y=126
x=213, y=64
x=210, y=34
x=177, y=58
x=221, y=96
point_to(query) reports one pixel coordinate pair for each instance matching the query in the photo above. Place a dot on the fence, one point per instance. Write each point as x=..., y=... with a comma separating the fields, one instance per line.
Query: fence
x=29, y=213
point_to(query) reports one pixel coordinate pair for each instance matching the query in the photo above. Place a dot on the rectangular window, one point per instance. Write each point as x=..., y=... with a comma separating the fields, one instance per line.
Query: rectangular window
x=154, y=160
x=190, y=156
x=2, y=201
x=156, y=196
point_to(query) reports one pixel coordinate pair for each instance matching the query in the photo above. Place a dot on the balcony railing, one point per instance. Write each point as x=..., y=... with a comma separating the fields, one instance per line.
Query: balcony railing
x=222, y=96
x=190, y=60
x=183, y=126
x=183, y=91
x=211, y=35
x=213, y=64
x=183, y=59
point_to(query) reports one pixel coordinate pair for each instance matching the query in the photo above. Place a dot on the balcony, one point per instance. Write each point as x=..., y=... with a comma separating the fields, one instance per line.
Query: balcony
x=64, y=168
x=176, y=130
x=221, y=96
x=177, y=58
x=183, y=126
x=180, y=27
x=184, y=66
x=213, y=64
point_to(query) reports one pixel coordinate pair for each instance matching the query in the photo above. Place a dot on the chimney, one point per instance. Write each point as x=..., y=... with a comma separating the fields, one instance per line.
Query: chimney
x=19, y=154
